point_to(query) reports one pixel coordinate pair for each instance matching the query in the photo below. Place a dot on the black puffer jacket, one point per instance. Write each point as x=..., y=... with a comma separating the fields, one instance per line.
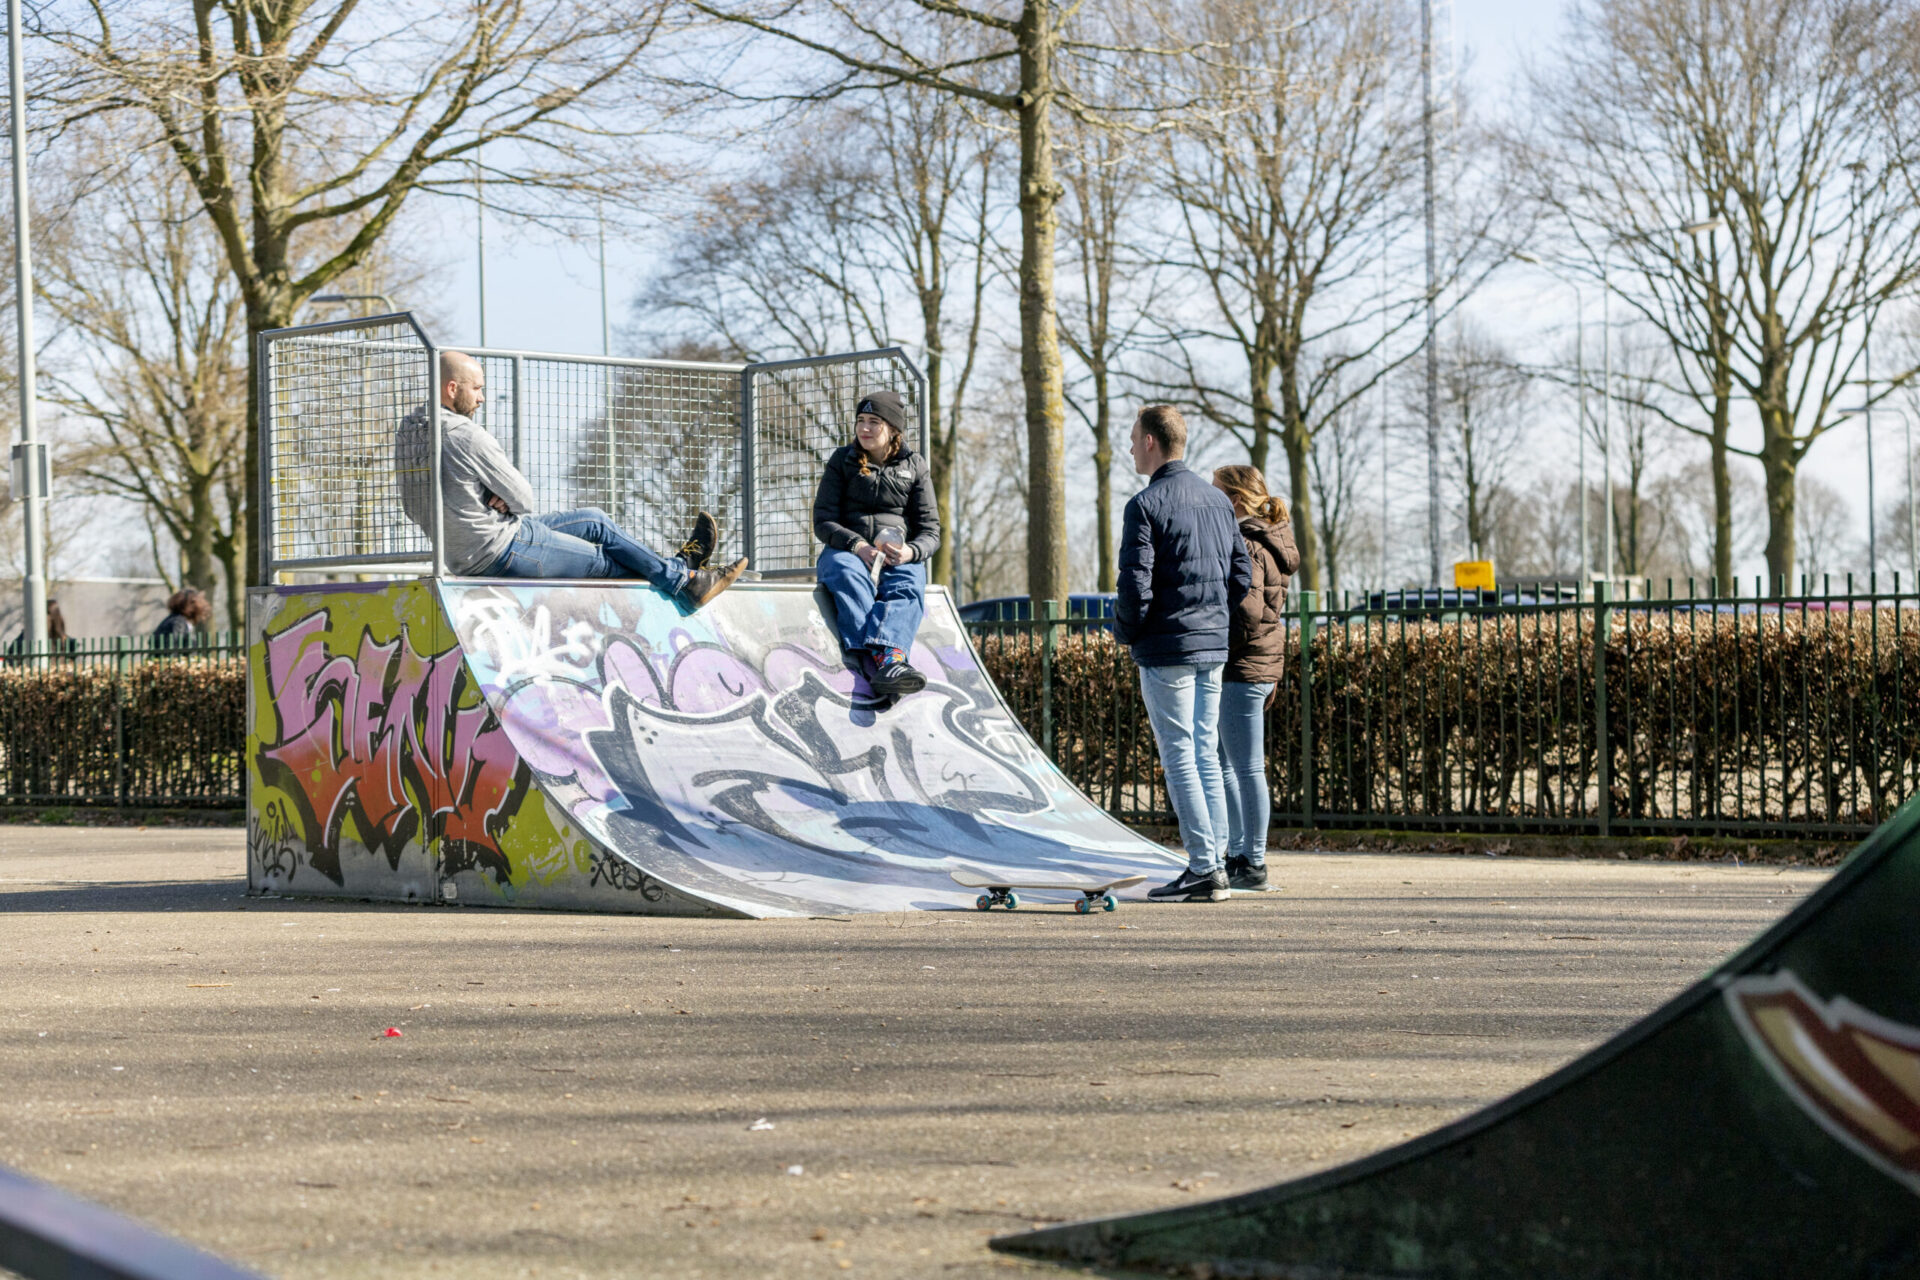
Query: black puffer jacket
x=850, y=508
x=1258, y=652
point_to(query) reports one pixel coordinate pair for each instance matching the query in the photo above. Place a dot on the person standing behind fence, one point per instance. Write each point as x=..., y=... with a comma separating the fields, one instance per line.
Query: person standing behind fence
x=58, y=641
x=1256, y=655
x=187, y=612
x=876, y=513
x=1183, y=570
x=487, y=517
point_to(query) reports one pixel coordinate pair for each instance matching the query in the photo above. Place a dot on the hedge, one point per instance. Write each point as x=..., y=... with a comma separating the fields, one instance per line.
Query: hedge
x=1715, y=721
x=167, y=731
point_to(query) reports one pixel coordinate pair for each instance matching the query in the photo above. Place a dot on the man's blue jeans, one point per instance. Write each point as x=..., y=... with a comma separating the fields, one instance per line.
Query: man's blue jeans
x=1183, y=705
x=1243, y=768
x=868, y=619
x=583, y=544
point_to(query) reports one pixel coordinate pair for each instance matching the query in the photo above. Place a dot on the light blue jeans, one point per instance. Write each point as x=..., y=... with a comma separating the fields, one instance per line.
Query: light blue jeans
x=1243, y=768
x=1183, y=705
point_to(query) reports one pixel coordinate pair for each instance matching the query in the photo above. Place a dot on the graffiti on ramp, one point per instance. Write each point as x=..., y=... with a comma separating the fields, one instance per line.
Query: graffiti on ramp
x=731, y=753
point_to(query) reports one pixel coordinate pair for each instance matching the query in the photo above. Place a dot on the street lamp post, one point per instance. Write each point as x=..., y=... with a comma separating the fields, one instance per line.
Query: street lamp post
x=343, y=299
x=1606, y=359
x=30, y=456
x=1865, y=412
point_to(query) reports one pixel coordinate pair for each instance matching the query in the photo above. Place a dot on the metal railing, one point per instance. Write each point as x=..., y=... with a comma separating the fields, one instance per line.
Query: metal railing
x=348, y=445
x=125, y=722
x=794, y=414
x=1697, y=714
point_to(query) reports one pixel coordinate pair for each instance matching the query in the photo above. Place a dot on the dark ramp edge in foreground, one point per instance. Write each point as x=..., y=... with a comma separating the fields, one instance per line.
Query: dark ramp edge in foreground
x=1765, y=1123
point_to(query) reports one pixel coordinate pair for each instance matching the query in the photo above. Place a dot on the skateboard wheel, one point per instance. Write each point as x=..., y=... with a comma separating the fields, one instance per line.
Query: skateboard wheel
x=1013, y=900
x=1109, y=902
x=1083, y=906
x=983, y=903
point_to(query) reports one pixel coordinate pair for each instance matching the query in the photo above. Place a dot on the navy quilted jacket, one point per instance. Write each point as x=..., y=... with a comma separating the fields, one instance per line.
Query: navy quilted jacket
x=1183, y=569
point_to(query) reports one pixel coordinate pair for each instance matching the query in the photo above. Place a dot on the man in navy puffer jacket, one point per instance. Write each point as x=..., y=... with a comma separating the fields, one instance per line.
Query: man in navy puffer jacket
x=1183, y=568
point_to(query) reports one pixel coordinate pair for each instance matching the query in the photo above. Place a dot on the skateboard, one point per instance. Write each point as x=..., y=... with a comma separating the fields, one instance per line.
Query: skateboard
x=1000, y=891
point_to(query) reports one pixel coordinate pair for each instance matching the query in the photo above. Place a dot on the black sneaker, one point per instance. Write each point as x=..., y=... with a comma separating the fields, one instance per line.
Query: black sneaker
x=1242, y=874
x=698, y=548
x=893, y=679
x=1188, y=887
x=704, y=584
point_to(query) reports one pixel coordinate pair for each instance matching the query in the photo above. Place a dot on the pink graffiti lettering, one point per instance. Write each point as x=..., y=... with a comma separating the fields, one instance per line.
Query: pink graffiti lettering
x=381, y=734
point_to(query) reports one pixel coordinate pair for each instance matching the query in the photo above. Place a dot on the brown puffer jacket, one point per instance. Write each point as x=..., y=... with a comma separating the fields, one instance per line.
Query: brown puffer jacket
x=1258, y=648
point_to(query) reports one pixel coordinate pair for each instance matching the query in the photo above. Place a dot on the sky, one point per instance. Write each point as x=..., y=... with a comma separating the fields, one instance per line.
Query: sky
x=545, y=295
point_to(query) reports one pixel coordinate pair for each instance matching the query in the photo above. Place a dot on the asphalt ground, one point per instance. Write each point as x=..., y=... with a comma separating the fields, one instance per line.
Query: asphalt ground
x=621, y=1096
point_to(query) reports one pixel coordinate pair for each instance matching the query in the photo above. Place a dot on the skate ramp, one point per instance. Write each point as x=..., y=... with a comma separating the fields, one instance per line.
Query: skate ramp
x=730, y=756
x=1764, y=1123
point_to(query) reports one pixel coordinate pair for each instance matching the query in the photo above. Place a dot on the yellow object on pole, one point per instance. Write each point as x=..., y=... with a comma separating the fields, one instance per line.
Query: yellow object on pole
x=1473, y=573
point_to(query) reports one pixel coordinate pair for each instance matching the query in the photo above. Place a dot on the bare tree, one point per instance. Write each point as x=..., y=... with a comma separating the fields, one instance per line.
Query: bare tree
x=1825, y=541
x=1342, y=470
x=1011, y=61
x=142, y=291
x=1773, y=120
x=1484, y=401
x=1288, y=194
x=1106, y=303
x=304, y=127
x=879, y=211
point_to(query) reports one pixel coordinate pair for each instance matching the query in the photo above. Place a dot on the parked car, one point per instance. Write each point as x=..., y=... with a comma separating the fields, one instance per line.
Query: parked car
x=1085, y=604
x=1444, y=604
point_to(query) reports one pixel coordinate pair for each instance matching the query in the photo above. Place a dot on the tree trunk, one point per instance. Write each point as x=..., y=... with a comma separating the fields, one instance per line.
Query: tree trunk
x=1298, y=444
x=1103, y=471
x=939, y=441
x=1041, y=372
x=1779, y=461
x=196, y=548
x=1722, y=491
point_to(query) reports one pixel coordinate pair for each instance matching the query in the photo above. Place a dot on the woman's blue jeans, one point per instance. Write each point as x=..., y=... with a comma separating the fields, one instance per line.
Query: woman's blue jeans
x=887, y=618
x=583, y=544
x=1183, y=705
x=1243, y=768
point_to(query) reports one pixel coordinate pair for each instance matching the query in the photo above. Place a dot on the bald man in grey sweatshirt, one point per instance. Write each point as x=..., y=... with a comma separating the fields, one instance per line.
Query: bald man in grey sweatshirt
x=487, y=522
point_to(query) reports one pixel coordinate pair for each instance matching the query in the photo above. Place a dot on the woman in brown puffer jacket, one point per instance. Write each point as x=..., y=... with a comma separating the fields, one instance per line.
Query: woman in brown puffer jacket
x=1255, y=657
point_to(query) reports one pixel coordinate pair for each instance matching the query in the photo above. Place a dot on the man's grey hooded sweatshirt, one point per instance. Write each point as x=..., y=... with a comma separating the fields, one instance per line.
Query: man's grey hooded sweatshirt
x=472, y=465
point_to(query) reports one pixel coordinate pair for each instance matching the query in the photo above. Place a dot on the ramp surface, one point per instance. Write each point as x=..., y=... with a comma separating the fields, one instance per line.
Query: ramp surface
x=1764, y=1123
x=731, y=756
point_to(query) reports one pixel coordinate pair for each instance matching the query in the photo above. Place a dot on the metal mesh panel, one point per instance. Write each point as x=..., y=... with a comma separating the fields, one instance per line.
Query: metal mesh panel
x=334, y=400
x=802, y=411
x=648, y=442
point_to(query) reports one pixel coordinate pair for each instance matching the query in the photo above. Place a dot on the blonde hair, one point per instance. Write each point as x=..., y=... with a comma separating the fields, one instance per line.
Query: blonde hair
x=1248, y=489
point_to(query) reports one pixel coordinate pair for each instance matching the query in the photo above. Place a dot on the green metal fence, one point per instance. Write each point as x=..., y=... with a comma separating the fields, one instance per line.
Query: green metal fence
x=1693, y=713
x=125, y=721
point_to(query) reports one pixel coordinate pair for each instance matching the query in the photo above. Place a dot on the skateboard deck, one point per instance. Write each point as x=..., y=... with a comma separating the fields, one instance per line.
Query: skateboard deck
x=1093, y=893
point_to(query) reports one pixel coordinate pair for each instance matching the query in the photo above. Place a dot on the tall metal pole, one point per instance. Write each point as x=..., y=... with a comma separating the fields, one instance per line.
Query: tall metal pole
x=34, y=577
x=1580, y=420
x=1386, y=502
x=1873, y=541
x=606, y=329
x=1913, y=517
x=1606, y=410
x=480, y=244
x=1433, y=355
